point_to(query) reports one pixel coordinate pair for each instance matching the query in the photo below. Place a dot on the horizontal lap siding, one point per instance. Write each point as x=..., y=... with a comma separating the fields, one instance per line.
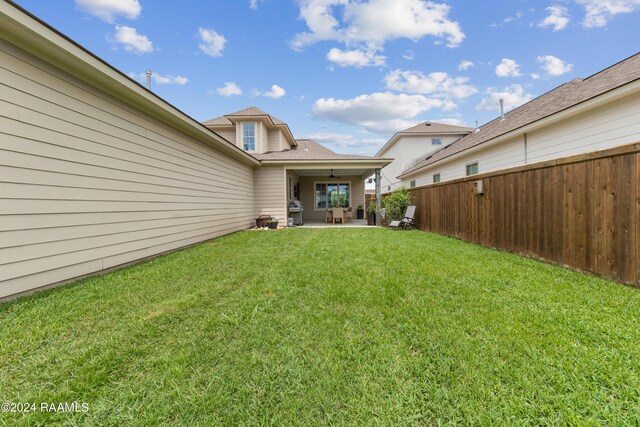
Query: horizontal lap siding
x=88, y=183
x=271, y=193
x=584, y=214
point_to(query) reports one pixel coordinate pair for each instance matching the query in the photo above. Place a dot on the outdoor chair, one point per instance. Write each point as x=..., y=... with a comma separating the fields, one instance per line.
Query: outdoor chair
x=338, y=213
x=328, y=215
x=407, y=221
x=349, y=215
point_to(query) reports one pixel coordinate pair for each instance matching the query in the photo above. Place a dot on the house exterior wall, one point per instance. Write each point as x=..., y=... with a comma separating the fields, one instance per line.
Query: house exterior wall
x=609, y=125
x=229, y=134
x=307, y=194
x=270, y=192
x=406, y=152
x=294, y=180
x=89, y=182
x=275, y=142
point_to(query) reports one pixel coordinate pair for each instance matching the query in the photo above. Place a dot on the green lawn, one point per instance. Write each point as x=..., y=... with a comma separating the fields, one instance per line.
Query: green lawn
x=328, y=326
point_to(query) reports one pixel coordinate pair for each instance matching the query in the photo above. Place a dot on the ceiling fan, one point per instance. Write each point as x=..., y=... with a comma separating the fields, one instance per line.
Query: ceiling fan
x=332, y=176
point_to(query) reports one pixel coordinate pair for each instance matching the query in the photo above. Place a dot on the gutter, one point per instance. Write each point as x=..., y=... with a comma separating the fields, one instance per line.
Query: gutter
x=21, y=28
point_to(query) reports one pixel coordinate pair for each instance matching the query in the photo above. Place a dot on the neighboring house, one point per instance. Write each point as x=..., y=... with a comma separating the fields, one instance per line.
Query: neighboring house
x=96, y=171
x=584, y=115
x=410, y=146
x=294, y=169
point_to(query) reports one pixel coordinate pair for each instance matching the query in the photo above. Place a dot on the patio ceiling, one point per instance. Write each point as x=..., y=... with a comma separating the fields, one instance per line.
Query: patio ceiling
x=336, y=171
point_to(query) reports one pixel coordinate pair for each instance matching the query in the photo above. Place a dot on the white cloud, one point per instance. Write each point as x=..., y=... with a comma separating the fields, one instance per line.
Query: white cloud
x=160, y=79
x=558, y=18
x=535, y=76
x=599, y=12
x=384, y=112
x=508, y=68
x=253, y=4
x=465, y=65
x=355, y=58
x=229, y=89
x=509, y=19
x=276, y=92
x=348, y=143
x=372, y=23
x=438, y=84
x=211, y=43
x=409, y=55
x=514, y=96
x=108, y=10
x=554, y=66
x=129, y=38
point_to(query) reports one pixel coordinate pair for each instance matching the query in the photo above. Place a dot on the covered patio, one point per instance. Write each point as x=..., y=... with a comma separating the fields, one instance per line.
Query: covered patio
x=327, y=192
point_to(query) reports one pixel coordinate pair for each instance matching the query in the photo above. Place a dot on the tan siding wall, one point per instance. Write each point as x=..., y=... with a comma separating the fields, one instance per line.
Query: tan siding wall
x=307, y=194
x=88, y=183
x=270, y=192
x=275, y=140
x=228, y=134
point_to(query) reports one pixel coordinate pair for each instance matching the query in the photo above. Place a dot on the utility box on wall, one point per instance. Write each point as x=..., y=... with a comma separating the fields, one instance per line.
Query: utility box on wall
x=479, y=187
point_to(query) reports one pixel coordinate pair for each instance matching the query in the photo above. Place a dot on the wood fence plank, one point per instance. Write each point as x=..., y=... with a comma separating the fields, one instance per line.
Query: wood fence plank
x=583, y=212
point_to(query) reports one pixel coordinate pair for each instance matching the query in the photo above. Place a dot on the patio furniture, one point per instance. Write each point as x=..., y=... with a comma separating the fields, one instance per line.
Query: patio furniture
x=407, y=221
x=338, y=213
x=349, y=215
x=328, y=215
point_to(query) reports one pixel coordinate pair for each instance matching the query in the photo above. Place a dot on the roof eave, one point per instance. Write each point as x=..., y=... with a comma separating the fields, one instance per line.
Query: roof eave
x=37, y=37
x=373, y=162
x=596, y=101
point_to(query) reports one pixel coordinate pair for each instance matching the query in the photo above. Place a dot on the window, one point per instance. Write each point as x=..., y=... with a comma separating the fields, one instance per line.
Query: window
x=472, y=169
x=333, y=194
x=436, y=178
x=436, y=141
x=412, y=183
x=249, y=136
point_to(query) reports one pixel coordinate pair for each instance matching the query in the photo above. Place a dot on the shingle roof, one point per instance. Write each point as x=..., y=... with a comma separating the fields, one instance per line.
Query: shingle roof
x=435, y=127
x=426, y=128
x=247, y=112
x=314, y=151
x=559, y=99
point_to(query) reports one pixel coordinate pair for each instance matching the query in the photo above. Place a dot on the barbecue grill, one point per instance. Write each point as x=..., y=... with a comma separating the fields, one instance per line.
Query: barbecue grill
x=295, y=211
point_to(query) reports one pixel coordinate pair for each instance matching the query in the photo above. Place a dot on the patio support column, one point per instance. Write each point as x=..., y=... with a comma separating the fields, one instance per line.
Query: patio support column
x=378, y=196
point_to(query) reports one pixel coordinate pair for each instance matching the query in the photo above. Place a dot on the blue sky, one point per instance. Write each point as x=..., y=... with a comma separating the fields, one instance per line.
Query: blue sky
x=349, y=73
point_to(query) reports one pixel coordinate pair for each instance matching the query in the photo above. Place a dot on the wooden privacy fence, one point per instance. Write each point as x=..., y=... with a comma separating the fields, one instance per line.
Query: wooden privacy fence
x=582, y=211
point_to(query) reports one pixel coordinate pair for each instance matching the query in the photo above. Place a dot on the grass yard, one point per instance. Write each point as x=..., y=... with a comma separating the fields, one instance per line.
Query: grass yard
x=329, y=326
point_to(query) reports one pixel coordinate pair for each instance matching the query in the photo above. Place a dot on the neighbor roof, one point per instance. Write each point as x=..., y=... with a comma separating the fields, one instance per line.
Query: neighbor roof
x=426, y=128
x=310, y=150
x=559, y=99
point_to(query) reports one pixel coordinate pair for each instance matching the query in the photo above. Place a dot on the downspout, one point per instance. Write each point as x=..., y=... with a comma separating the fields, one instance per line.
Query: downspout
x=378, y=197
x=526, y=150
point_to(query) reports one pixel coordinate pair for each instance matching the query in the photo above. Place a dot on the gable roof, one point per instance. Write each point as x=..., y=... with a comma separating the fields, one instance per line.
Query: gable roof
x=426, y=128
x=309, y=150
x=555, y=101
x=253, y=112
x=247, y=112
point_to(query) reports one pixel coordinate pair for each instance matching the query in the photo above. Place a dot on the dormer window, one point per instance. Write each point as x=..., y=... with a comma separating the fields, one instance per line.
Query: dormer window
x=249, y=136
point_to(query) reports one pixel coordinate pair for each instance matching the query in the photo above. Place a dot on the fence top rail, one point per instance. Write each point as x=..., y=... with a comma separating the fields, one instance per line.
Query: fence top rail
x=578, y=158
